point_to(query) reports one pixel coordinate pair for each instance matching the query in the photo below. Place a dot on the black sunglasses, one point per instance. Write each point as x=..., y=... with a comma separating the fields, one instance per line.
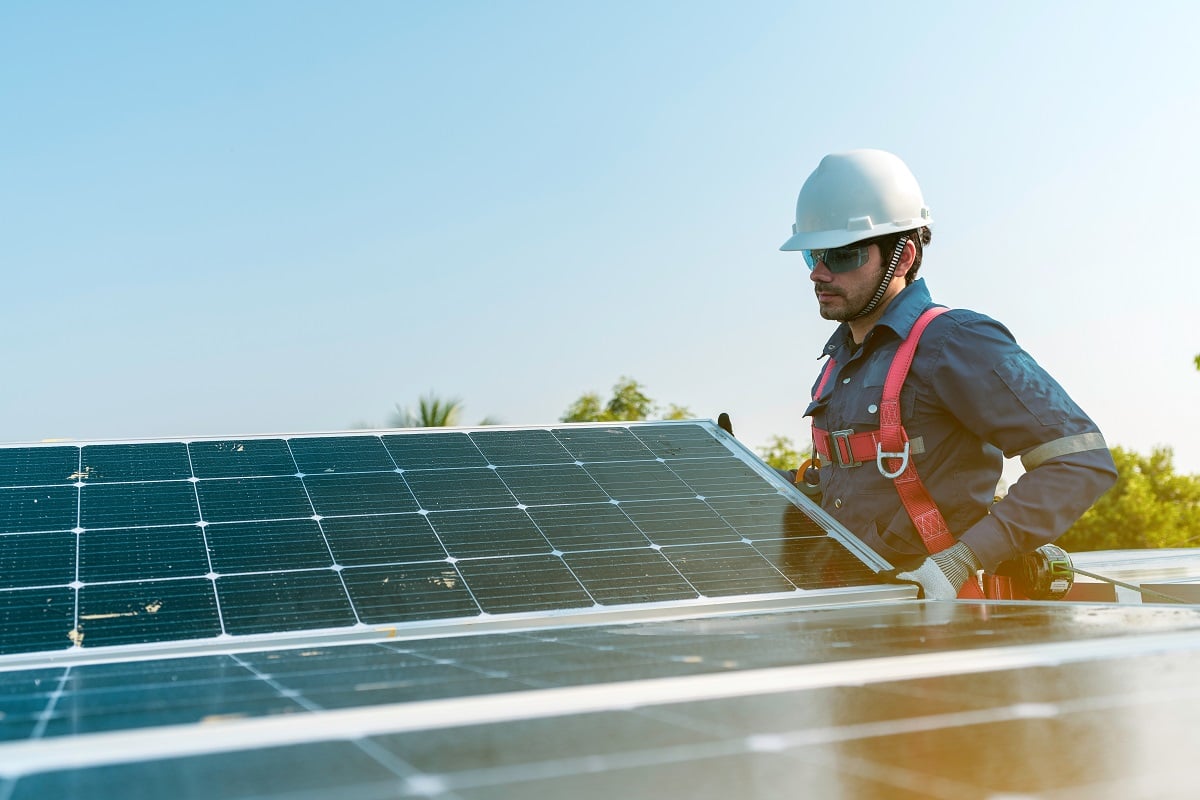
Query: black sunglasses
x=840, y=259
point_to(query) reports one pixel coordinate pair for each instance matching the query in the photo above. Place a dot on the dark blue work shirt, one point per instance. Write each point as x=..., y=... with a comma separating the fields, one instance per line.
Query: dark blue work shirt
x=972, y=397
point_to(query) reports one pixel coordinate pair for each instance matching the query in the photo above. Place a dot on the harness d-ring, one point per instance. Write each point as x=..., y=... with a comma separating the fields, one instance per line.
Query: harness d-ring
x=880, y=456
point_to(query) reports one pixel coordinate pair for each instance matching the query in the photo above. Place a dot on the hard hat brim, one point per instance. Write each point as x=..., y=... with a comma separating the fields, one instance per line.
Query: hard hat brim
x=822, y=240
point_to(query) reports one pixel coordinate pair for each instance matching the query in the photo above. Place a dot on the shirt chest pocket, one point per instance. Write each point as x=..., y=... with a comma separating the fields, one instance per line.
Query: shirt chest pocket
x=854, y=402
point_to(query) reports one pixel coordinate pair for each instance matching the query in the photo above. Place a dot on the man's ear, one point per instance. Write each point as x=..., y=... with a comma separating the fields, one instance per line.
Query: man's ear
x=907, y=257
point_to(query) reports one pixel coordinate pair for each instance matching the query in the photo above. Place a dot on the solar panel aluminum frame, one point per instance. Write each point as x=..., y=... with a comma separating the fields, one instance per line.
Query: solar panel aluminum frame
x=486, y=622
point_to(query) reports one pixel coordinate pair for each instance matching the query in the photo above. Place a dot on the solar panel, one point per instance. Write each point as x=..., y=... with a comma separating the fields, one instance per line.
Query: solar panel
x=586, y=611
x=871, y=700
x=132, y=543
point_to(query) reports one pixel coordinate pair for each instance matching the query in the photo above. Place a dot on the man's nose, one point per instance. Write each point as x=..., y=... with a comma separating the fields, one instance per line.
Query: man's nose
x=820, y=272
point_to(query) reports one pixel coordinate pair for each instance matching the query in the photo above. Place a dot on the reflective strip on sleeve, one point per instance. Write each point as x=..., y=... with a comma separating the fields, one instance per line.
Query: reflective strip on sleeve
x=1065, y=446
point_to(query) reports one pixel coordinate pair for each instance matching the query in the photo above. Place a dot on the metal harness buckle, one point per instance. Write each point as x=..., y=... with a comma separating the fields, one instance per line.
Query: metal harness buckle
x=839, y=444
x=880, y=456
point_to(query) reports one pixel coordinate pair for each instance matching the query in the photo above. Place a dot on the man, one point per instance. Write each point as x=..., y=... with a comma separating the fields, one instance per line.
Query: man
x=971, y=397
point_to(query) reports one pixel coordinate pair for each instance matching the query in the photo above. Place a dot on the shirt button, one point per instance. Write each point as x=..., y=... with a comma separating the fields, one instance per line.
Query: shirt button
x=845, y=380
x=872, y=408
x=837, y=503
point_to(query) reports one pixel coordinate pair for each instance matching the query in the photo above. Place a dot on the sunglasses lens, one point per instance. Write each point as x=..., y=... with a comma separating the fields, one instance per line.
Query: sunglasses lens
x=845, y=259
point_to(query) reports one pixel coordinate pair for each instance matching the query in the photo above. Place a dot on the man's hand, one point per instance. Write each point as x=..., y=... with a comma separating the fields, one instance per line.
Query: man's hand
x=943, y=574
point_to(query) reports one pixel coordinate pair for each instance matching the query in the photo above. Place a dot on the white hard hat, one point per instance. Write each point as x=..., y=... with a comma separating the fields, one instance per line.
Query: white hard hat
x=854, y=196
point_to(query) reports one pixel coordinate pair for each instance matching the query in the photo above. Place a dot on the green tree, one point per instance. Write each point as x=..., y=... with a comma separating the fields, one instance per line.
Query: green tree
x=629, y=402
x=1149, y=506
x=432, y=412
x=780, y=452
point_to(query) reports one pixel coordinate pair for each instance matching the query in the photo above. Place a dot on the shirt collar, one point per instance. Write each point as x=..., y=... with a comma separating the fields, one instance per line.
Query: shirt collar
x=900, y=316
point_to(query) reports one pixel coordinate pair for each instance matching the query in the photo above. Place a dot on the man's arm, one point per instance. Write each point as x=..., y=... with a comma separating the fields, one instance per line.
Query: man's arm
x=1005, y=397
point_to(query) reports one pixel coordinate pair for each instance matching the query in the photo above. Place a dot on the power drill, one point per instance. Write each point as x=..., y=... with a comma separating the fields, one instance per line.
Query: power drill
x=1045, y=574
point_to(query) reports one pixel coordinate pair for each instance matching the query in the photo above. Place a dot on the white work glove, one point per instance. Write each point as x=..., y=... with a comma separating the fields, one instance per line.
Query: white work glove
x=943, y=574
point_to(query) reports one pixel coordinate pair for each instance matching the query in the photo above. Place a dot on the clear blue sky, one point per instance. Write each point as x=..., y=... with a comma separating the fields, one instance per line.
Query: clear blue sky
x=265, y=217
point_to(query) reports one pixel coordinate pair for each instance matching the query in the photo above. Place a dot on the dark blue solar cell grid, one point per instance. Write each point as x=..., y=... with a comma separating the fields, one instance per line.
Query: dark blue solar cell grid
x=727, y=569
x=810, y=561
x=38, y=466
x=523, y=583
x=382, y=539
x=712, y=477
x=363, y=493
x=552, y=485
x=147, y=611
x=238, y=499
x=142, y=553
x=33, y=620
x=688, y=521
x=36, y=559
x=488, y=532
x=639, y=480
x=602, y=444
x=601, y=526
x=25, y=696
x=509, y=448
x=236, y=547
x=284, y=601
x=409, y=592
x=128, y=543
x=441, y=490
x=680, y=441
x=170, y=694
x=635, y=576
x=46, y=508
x=149, y=461
x=764, y=517
x=325, y=454
x=242, y=458
x=434, y=451
x=131, y=505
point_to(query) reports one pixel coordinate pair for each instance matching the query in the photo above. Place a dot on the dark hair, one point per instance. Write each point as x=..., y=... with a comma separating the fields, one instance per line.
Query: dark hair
x=920, y=237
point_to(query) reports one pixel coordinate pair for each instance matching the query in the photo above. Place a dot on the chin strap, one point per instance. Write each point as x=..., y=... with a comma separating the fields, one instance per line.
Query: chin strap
x=887, y=279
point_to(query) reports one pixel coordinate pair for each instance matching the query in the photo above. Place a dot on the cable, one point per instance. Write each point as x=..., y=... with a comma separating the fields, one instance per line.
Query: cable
x=1122, y=584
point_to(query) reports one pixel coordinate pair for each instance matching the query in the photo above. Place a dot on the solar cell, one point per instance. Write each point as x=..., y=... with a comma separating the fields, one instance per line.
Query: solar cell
x=243, y=458
x=163, y=541
x=116, y=554
x=440, y=451
x=144, y=461
x=38, y=466
x=410, y=592
x=37, y=560
x=382, y=539
x=40, y=508
x=135, y=612
x=286, y=544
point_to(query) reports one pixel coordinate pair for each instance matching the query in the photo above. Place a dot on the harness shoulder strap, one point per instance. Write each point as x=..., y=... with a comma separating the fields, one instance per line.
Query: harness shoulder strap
x=825, y=373
x=893, y=447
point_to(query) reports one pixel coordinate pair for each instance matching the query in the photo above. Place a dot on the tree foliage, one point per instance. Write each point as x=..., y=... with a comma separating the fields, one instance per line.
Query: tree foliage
x=432, y=412
x=1149, y=506
x=629, y=402
x=781, y=453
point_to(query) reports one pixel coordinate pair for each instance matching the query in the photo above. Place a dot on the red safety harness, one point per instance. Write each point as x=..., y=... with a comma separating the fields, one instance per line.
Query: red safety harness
x=889, y=447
